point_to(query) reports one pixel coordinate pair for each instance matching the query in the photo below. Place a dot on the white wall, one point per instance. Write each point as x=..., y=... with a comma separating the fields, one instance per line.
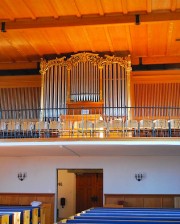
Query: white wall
x=162, y=173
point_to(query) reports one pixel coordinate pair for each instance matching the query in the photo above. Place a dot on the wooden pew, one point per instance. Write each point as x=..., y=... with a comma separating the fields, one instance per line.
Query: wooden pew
x=23, y=214
x=126, y=216
x=4, y=219
x=14, y=217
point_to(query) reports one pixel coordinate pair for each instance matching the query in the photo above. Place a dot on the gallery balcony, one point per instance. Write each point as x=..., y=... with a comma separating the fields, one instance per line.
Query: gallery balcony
x=107, y=123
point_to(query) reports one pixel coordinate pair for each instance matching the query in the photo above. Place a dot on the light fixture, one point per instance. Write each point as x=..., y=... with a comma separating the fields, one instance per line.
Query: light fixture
x=139, y=176
x=3, y=27
x=22, y=176
x=137, y=19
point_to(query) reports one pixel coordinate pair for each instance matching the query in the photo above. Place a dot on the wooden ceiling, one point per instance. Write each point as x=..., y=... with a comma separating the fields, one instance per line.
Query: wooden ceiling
x=36, y=28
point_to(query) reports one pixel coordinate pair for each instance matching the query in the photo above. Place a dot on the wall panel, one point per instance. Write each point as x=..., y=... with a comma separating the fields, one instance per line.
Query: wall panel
x=155, y=89
x=141, y=200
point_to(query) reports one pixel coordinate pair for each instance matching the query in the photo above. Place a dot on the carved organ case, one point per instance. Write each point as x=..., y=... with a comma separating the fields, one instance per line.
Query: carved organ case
x=85, y=79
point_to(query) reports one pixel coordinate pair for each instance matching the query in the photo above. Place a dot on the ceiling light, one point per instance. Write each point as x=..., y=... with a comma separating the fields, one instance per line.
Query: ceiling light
x=137, y=19
x=3, y=27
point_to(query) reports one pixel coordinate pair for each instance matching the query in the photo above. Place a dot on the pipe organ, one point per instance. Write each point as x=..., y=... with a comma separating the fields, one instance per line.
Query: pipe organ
x=84, y=82
x=115, y=89
x=85, y=77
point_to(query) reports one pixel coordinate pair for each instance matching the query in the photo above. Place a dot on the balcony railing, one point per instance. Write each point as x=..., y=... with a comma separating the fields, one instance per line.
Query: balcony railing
x=100, y=122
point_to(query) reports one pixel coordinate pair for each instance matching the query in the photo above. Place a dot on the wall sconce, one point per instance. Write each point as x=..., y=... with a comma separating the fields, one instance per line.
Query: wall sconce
x=22, y=176
x=139, y=176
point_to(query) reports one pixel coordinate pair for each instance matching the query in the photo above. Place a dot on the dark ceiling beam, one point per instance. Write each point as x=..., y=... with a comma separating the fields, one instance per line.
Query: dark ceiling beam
x=69, y=21
x=19, y=72
x=156, y=67
x=19, y=65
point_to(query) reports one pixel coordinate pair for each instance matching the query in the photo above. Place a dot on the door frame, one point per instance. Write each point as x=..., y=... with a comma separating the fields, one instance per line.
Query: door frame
x=90, y=170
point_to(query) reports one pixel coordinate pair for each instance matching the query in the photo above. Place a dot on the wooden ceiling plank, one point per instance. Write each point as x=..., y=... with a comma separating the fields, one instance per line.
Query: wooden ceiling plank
x=169, y=37
x=149, y=40
x=77, y=9
x=52, y=8
x=124, y=6
x=100, y=7
x=70, y=21
x=7, y=58
x=149, y=6
x=129, y=39
x=49, y=40
x=9, y=49
x=10, y=10
x=108, y=39
x=33, y=16
x=70, y=41
x=28, y=40
x=88, y=39
x=18, y=50
x=173, y=5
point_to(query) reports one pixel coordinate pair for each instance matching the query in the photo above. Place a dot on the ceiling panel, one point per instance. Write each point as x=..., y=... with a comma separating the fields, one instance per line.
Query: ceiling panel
x=38, y=40
x=174, y=45
x=118, y=37
x=157, y=43
x=139, y=39
x=152, y=38
x=136, y=5
x=90, y=7
x=78, y=39
x=112, y=6
x=58, y=39
x=161, y=4
x=7, y=45
x=98, y=38
x=177, y=4
x=66, y=8
x=38, y=8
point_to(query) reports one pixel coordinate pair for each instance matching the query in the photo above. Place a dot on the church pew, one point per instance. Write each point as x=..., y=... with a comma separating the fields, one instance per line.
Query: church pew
x=119, y=218
x=14, y=217
x=96, y=221
x=26, y=213
x=36, y=214
x=4, y=219
x=125, y=216
x=101, y=209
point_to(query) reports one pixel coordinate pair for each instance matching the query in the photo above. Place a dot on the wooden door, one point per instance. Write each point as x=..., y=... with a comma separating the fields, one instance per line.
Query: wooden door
x=89, y=191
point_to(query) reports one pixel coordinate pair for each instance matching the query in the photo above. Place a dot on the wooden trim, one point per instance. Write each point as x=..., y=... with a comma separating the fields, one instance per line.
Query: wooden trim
x=18, y=65
x=161, y=60
x=142, y=200
x=171, y=76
